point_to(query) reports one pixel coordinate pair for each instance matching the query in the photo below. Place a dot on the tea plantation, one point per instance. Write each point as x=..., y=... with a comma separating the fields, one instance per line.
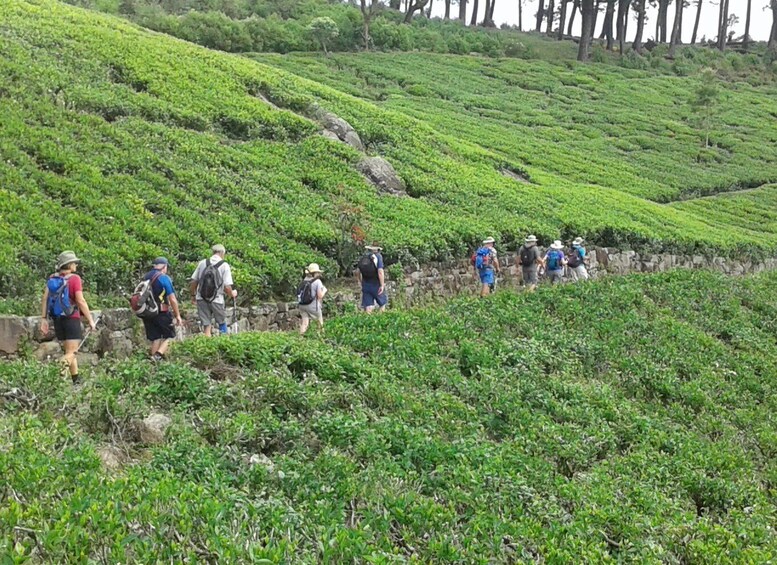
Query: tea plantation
x=627, y=420
x=126, y=144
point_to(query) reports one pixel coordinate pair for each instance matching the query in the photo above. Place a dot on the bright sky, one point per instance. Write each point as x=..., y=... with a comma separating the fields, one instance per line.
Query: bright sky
x=761, y=21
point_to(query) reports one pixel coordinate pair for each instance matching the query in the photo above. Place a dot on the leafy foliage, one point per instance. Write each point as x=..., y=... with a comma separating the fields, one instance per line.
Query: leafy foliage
x=624, y=420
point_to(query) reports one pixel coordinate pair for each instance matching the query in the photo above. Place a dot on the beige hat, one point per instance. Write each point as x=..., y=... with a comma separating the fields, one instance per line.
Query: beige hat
x=313, y=268
x=531, y=239
x=578, y=241
x=218, y=248
x=557, y=245
x=489, y=240
x=373, y=248
x=65, y=258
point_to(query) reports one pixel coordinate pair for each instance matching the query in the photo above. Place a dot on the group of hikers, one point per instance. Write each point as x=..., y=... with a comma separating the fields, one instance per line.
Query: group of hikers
x=155, y=301
x=533, y=263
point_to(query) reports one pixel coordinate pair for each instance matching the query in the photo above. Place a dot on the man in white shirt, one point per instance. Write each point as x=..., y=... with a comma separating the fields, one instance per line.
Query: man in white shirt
x=212, y=279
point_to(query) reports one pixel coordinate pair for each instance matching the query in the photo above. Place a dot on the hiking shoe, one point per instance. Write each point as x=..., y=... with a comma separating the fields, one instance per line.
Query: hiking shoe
x=157, y=357
x=76, y=379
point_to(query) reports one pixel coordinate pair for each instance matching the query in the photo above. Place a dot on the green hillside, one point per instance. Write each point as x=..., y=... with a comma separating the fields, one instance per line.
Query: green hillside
x=124, y=144
x=627, y=420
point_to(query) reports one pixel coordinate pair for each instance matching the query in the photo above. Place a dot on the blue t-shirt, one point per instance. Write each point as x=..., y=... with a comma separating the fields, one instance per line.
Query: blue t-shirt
x=162, y=287
x=580, y=251
x=378, y=260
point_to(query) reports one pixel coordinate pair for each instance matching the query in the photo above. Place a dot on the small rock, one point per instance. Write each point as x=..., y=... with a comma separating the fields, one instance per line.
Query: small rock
x=263, y=460
x=48, y=350
x=111, y=457
x=12, y=333
x=152, y=429
x=382, y=174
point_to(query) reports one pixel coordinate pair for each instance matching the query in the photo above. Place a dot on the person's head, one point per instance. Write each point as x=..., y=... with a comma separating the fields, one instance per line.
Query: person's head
x=557, y=245
x=530, y=241
x=219, y=250
x=67, y=261
x=577, y=242
x=488, y=242
x=314, y=271
x=160, y=264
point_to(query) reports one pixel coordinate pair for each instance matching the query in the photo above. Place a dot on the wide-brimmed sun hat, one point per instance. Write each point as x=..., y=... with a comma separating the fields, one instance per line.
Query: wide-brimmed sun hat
x=557, y=245
x=313, y=269
x=531, y=239
x=489, y=240
x=65, y=258
x=373, y=247
x=578, y=241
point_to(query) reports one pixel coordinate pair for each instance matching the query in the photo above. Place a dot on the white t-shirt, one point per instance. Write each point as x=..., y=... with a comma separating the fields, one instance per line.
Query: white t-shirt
x=226, y=277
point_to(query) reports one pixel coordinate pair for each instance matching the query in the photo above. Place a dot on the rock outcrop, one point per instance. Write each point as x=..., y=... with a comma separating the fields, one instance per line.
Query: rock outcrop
x=336, y=127
x=382, y=174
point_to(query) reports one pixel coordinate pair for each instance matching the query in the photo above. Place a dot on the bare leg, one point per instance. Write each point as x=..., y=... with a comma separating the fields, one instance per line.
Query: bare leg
x=207, y=331
x=303, y=325
x=69, y=359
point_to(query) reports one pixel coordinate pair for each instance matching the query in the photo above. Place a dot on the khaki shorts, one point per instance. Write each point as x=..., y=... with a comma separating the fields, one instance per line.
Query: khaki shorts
x=207, y=312
x=312, y=311
x=529, y=275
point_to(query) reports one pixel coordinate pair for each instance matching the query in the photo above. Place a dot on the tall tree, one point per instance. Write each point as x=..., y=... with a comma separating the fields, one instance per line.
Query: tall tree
x=746, y=39
x=540, y=15
x=772, y=46
x=369, y=8
x=562, y=19
x=575, y=6
x=609, y=17
x=661, y=20
x=490, y=21
x=587, y=31
x=696, y=23
x=520, y=15
x=595, y=16
x=678, y=17
x=551, y=17
x=722, y=24
x=429, y=9
x=485, y=13
x=473, y=20
x=639, y=6
x=622, y=18
x=415, y=6
x=447, y=10
x=463, y=11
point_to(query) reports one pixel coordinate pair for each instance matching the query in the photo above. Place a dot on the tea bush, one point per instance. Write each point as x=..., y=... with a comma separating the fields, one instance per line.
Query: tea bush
x=627, y=419
x=125, y=145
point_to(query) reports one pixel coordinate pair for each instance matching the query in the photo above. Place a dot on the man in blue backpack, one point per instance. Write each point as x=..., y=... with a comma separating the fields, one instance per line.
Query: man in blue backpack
x=371, y=275
x=554, y=262
x=486, y=266
x=160, y=329
x=577, y=259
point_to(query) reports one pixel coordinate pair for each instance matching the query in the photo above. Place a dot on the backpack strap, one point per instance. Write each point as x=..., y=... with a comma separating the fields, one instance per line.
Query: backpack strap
x=218, y=265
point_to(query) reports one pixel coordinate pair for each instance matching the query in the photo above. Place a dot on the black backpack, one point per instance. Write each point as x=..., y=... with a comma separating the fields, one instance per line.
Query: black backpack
x=527, y=256
x=210, y=281
x=367, y=267
x=574, y=259
x=305, y=292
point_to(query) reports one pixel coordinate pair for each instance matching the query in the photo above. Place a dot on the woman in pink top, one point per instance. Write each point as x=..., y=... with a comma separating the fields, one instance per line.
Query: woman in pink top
x=63, y=301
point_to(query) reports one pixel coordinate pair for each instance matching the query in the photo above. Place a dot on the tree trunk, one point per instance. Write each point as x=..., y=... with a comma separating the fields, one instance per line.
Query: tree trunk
x=473, y=21
x=463, y=11
x=540, y=15
x=395, y=4
x=551, y=17
x=626, y=21
x=587, y=31
x=520, y=15
x=447, y=10
x=429, y=9
x=595, y=17
x=678, y=16
x=609, y=12
x=637, y=45
x=562, y=20
x=772, y=45
x=575, y=5
x=485, y=13
x=623, y=8
x=746, y=40
x=415, y=6
x=696, y=23
x=663, y=16
x=491, y=14
x=723, y=24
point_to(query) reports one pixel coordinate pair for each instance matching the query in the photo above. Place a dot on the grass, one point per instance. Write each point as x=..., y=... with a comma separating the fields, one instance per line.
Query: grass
x=625, y=420
x=125, y=144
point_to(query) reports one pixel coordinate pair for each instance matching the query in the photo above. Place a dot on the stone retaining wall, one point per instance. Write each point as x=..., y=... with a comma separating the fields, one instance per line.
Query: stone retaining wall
x=120, y=332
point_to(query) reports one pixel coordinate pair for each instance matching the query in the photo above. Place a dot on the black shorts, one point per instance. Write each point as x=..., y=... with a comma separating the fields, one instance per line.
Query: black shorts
x=160, y=327
x=67, y=329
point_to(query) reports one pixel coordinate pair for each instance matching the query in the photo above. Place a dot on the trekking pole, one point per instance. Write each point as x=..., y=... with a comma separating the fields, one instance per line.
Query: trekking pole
x=233, y=328
x=88, y=331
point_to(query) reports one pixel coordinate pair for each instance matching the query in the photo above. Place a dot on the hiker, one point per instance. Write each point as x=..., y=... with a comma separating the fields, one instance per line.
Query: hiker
x=212, y=279
x=310, y=295
x=486, y=265
x=160, y=329
x=577, y=260
x=554, y=262
x=371, y=276
x=531, y=260
x=63, y=301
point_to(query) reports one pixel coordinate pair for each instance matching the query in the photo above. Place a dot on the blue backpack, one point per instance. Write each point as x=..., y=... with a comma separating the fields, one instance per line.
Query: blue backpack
x=554, y=260
x=59, y=305
x=483, y=258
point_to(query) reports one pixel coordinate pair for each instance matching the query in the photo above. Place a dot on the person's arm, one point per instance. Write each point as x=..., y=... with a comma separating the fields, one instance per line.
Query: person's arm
x=173, y=301
x=382, y=279
x=44, y=312
x=228, y=282
x=496, y=262
x=84, y=307
x=193, y=290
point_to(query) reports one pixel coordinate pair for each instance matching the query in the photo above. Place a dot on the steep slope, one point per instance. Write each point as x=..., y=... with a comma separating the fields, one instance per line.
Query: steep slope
x=627, y=420
x=125, y=144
